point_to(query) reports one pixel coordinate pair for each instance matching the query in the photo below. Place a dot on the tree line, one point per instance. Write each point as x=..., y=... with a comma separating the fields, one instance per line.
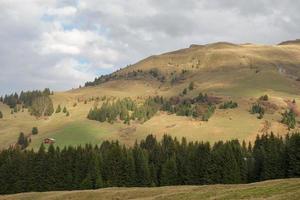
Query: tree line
x=153, y=73
x=126, y=109
x=38, y=102
x=149, y=163
x=25, y=98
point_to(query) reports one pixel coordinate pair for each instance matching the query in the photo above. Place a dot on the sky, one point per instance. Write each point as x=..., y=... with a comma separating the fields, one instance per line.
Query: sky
x=61, y=44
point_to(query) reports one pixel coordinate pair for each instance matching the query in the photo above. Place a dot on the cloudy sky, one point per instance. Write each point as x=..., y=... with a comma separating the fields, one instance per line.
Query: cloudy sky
x=63, y=43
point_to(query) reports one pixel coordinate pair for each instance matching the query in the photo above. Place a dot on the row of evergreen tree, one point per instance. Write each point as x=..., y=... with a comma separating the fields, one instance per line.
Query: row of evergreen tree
x=38, y=102
x=25, y=98
x=153, y=73
x=149, y=163
x=126, y=109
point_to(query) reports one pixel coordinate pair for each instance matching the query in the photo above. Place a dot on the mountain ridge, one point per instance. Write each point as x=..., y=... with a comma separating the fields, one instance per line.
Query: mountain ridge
x=240, y=73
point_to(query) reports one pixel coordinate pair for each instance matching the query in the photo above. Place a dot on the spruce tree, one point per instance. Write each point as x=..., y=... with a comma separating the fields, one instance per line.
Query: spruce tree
x=268, y=152
x=40, y=170
x=292, y=155
x=141, y=167
x=93, y=179
x=191, y=85
x=169, y=175
x=34, y=131
x=22, y=141
x=58, y=109
x=289, y=118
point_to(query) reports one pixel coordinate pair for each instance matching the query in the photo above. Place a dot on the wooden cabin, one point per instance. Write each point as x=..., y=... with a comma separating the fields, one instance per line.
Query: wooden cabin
x=49, y=141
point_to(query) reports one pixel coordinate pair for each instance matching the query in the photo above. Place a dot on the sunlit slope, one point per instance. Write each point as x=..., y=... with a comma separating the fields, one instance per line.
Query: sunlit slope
x=214, y=56
x=276, y=189
x=224, y=68
x=230, y=71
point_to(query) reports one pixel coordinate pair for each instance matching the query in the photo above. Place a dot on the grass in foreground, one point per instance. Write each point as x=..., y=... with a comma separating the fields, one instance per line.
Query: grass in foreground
x=275, y=189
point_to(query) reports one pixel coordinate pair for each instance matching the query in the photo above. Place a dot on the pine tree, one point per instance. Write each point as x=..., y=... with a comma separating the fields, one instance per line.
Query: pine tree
x=141, y=167
x=51, y=167
x=58, y=109
x=191, y=85
x=268, y=152
x=34, y=131
x=169, y=174
x=22, y=141
x=292, y=155
x=39, y=170
x=289, y=118
x=128, y=168
x=93, y=179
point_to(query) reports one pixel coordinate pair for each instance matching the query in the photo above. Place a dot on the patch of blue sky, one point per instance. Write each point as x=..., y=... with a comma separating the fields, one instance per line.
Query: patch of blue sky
x=103, y=71
x=47, y=18
x=69, y=26
x=101, y=30
x=83, y=61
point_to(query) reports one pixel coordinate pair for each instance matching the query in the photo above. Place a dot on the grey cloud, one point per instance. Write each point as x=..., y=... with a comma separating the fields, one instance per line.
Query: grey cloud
x=129, y=31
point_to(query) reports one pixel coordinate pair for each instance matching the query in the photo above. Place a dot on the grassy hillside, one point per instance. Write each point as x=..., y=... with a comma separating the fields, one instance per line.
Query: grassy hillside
x=276, y=189
x=239, y=72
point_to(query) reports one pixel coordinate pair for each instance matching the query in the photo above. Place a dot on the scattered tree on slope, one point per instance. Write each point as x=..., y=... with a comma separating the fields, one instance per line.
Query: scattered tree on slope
x=289, y=118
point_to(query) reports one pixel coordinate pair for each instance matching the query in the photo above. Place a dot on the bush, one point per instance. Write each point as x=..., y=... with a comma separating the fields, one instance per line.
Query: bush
x=67, y=114
x=210, y=111
x=191, y=86
x=75, y=104
x=228, y=104
x=256, y=108
x=289, y=118
x=65, y=110
x=1, y=115
x=202, y=98
x=58, y=109
x=34, y=131
x=184, y=92
x=264, y=98
x=22, y=141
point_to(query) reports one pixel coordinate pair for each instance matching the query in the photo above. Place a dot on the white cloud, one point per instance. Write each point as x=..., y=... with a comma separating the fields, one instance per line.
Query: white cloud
x=71, y=69
x=64, y=11
x=68, y=42
x=94, y=47
x=61, y=43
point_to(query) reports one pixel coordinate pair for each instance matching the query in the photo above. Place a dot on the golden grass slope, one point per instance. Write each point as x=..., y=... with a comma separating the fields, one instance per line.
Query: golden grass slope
x=238, y=72
x=216, y=55
x=275, y=189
